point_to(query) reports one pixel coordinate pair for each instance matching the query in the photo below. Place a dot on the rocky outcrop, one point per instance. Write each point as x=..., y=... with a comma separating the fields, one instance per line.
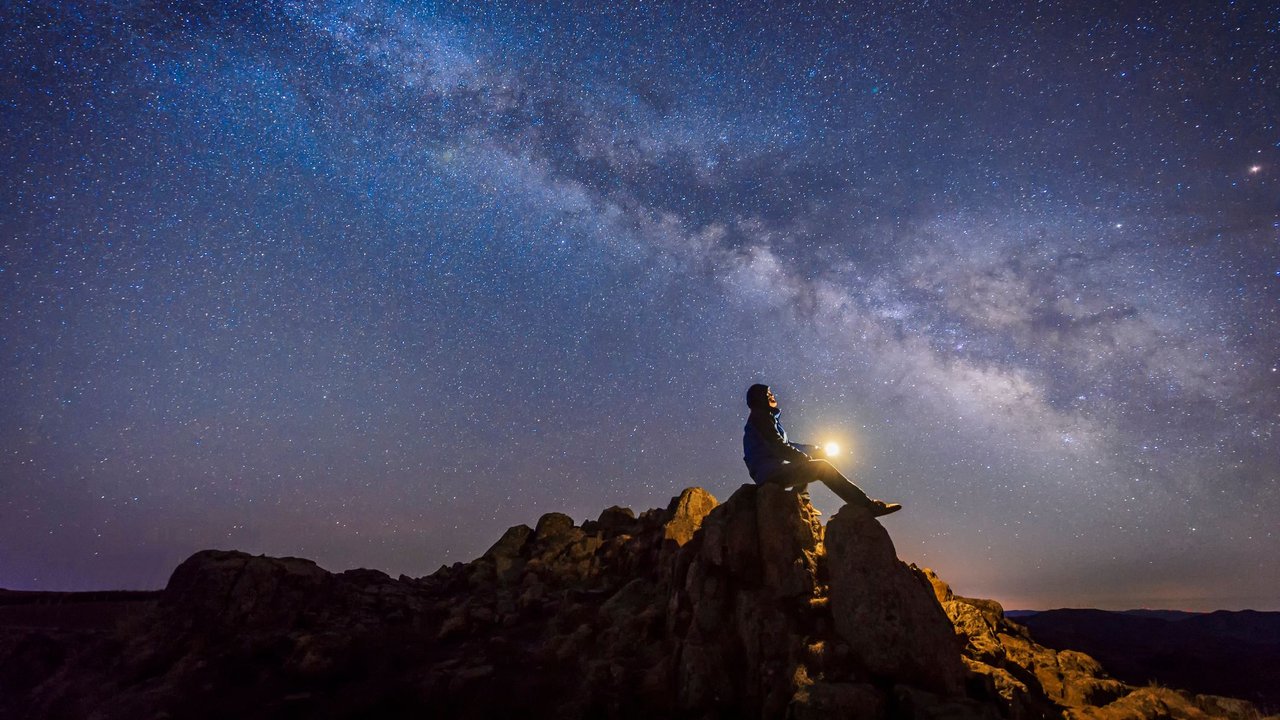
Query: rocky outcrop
x=1033, y=681
x=886, y=610
x=746, y=609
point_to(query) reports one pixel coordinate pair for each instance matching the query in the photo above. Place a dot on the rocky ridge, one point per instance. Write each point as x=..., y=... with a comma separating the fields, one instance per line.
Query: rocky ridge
x=750, y=608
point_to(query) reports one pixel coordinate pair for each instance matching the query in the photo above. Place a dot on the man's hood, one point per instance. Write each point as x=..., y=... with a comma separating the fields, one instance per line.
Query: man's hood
x=758, y=398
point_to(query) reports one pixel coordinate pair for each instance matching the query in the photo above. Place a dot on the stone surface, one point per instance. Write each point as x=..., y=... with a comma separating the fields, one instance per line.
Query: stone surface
x=685, y=514
x=886, y=610
x=746, y=609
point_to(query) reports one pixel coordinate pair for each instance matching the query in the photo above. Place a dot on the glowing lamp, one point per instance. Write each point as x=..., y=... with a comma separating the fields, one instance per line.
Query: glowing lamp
x=831, y=449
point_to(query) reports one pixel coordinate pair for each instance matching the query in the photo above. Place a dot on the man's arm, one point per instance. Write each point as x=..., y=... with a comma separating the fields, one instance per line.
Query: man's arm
x=774, y=441
x=814, y=451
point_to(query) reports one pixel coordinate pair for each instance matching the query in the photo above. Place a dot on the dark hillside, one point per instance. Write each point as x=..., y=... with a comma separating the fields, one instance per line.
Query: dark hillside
x=1221, y=653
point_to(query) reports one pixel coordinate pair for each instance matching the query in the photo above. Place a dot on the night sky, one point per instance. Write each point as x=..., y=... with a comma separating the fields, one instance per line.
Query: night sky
x=369, y=282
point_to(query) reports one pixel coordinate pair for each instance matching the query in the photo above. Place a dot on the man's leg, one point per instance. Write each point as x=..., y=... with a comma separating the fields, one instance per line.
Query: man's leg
x=799, y=474
x=839, y=484
x=850, y=493
x=791, y=475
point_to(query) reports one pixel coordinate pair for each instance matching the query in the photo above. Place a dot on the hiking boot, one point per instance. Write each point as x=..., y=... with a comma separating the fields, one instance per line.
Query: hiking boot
x=880, y=507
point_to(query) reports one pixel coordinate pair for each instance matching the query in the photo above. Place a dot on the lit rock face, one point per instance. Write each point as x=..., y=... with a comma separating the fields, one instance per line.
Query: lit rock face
x=746, y=609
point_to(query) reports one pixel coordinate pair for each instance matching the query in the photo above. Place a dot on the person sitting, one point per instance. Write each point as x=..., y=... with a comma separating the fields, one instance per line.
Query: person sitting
x=772, y=459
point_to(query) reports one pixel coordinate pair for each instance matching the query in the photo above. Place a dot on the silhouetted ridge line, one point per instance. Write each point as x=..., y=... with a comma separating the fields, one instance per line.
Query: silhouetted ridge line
x=750, y=608
x=1223, y=652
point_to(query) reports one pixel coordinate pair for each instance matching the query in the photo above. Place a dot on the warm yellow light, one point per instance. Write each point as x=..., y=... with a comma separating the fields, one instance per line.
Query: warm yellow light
x=831, y=449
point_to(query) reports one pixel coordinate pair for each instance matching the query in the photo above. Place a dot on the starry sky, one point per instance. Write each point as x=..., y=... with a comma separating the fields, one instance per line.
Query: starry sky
x=368, y=281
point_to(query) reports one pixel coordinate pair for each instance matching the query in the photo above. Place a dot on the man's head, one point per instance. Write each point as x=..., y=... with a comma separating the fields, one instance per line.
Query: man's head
x=760, y=397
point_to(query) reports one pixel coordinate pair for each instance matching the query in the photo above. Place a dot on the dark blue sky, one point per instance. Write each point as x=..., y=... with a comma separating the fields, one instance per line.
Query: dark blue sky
x=368, y=282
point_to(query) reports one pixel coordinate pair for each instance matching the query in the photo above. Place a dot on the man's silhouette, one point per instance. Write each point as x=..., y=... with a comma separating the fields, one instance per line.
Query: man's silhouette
x=771, y=459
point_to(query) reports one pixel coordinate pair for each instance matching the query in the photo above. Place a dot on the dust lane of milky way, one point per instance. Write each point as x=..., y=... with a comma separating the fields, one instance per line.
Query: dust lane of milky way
x=368, y=282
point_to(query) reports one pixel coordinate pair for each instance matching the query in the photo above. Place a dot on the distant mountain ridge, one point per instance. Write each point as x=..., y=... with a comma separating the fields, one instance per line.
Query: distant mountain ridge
x=1163, y=614
x=1138, y=612
x=1225, y=652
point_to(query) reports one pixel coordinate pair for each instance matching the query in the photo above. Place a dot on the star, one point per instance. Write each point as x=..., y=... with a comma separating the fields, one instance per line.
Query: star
x=374, y=281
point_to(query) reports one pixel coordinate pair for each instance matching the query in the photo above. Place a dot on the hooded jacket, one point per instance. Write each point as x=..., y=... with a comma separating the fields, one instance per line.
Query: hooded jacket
x=765, y=448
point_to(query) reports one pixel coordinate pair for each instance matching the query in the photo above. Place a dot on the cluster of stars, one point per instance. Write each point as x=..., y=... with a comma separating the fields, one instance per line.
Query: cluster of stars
x=370, y=283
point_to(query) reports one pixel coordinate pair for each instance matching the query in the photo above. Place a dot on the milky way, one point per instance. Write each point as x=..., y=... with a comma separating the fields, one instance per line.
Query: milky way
x=369, y=282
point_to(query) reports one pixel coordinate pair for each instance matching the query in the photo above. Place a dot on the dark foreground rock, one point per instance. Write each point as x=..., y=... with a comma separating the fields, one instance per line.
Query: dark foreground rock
x=747, y=609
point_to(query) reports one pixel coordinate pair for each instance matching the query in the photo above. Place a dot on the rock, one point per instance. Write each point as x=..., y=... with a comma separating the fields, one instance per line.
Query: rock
x=912, y=702
x=686, y=512
x=616, y=520
x=318, y=656
x=998, y=684
x=553, y=525
x=790, y=538
x=887, y=611
x=511, y=543
x=32, y=657
x=364, y=577
x=827, y=700
x=750, y=608
x=215, y=591
x=977, y=630
x=941, y=590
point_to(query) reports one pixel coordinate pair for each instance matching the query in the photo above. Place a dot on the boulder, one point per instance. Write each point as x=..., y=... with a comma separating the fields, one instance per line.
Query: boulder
x=790, y=541
x=886, y=610
x=216, y=591
x=686, y=512
x=615, y=519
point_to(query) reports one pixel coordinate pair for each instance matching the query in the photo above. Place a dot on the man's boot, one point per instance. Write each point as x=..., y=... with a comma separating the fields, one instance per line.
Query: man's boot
x=880, y=507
